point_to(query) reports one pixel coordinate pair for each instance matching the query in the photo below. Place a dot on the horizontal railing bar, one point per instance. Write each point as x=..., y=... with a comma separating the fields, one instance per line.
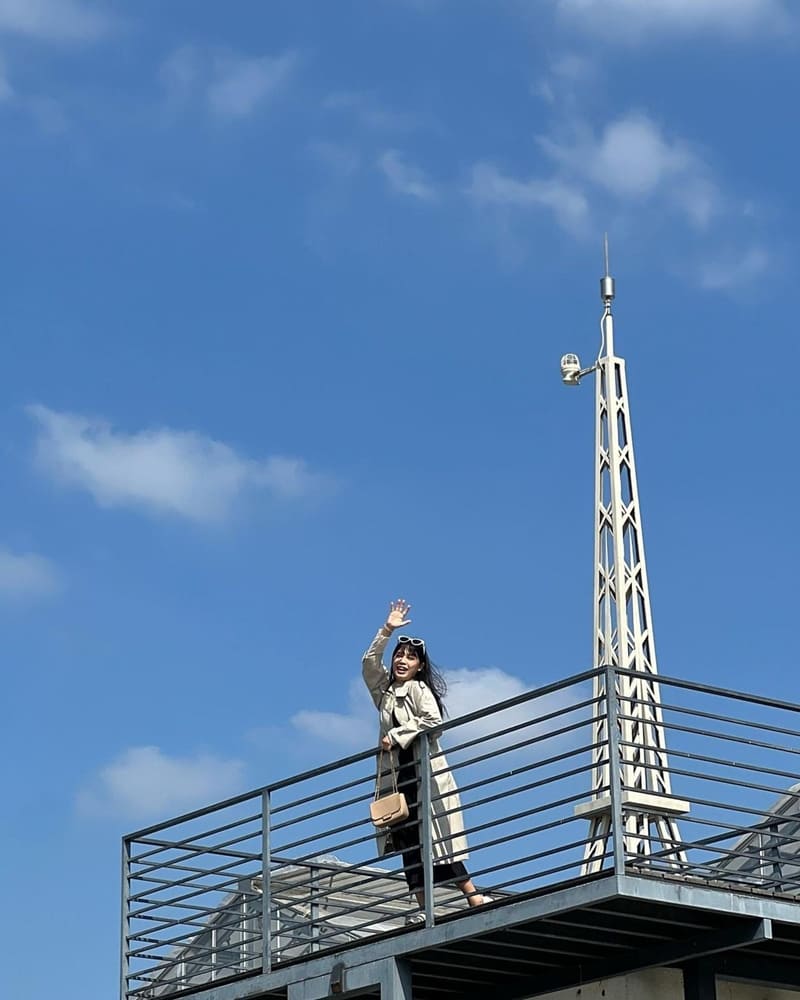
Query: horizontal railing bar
x=195, y=870
x=138, y=835
x=151, y=893
x=497, y=820
x=187, y=882
x=736, y=876
x=245, y=918
x=719, y=779
x=177, y=900
x=731, y=831
x=536, y=856
x=736, y=830
x=540, y=720
x=256, y=817
x=364, y=754
x=177, y=865
x=196, y=962
x=182, y=921
x=733, y=719
x=459, y=765
x=517, y=791
x=370, y=878
x=305, y=817
x=220, y=848
x=503, y=706
x=525, y=833
x=499, y=886
x=354, y=927
x=720, y=874
x=524, y=769
x=710, y=689
x=714, y=735
x=295, y=803
x=206, y=953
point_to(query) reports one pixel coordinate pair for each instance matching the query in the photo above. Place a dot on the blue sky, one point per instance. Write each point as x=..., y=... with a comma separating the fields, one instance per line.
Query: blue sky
x=284, y=292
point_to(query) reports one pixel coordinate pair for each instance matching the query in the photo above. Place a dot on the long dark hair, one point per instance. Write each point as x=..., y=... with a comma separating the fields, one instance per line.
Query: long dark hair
x=428, y=672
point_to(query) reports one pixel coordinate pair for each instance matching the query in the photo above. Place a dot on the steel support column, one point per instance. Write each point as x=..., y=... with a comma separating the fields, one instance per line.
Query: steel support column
x=392, y=976
x=699, y=981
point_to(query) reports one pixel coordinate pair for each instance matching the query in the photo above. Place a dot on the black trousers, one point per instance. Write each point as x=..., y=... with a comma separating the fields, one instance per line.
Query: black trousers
x=406, y=838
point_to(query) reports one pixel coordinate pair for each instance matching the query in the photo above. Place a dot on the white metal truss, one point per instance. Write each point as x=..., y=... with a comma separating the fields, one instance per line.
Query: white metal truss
x=623, y=636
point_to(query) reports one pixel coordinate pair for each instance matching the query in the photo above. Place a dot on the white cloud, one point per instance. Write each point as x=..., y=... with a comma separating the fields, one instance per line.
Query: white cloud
x=631, y=162
x=569, y=205
x=144, y=782
x=404, y=178
x=160, y=471
x=467, y=691
x=229, y=84
x=347, y=731
x=26, y=575
x=630, y=20
x=634, y=161
x=53, y=20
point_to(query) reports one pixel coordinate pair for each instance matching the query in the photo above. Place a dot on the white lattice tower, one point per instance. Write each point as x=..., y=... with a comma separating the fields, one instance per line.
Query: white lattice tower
x=623, y=634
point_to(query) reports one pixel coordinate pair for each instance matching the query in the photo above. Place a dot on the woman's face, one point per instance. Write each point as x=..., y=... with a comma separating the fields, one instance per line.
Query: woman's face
x=406, y=664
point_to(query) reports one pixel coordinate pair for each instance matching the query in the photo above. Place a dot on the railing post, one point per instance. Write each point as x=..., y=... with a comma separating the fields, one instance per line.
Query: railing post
x=614, y=766
x=126, y=923
x=426, y=837
x=313, y=907
x=266, y=885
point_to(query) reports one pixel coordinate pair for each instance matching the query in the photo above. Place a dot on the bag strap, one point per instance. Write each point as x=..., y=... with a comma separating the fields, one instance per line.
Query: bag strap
x=380, y=773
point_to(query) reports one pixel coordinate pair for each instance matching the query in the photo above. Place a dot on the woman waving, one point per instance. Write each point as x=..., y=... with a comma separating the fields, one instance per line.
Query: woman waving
x=409, y=698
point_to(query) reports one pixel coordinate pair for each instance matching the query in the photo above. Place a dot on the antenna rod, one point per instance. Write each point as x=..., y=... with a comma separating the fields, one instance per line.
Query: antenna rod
x=606, y=282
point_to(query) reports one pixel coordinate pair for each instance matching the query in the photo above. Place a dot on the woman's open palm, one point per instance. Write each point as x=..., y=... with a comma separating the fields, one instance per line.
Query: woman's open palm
x=398, y=614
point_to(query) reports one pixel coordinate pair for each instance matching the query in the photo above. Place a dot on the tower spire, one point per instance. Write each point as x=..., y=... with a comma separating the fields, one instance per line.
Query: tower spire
x=623, y=628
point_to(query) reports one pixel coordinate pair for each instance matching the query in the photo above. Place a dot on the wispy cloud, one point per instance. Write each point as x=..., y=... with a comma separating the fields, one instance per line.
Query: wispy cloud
x=405, y=178
x=160, y=471
x=144, y=781
x=54, y=20
x=634, y=20
x=341, y=158
x=26, y=575
x=371, y=113
x=6, y=90
x=228, y=84
x=568, y=204
x=733, y=269
x=568, y=74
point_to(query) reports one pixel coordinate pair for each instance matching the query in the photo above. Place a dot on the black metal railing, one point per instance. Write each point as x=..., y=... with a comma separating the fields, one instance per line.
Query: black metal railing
x=303, y=850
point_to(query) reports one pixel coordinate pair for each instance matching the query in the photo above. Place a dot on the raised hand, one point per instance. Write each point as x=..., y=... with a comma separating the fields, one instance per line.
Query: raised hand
x=398, y=615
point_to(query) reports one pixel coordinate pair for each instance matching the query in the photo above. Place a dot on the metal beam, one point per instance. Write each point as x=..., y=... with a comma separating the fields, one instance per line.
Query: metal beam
x=669, y=953
x=747, y=968
x=390, y=979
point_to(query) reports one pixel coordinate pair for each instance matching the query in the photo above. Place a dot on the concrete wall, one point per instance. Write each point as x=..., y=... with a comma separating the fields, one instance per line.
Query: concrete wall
x=665, y=984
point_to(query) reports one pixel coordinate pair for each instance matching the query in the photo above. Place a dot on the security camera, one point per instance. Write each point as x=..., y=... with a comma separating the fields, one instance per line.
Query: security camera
x=570, y=369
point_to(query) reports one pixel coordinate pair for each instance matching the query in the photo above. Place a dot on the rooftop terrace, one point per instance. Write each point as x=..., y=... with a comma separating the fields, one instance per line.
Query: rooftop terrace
x=724, y=899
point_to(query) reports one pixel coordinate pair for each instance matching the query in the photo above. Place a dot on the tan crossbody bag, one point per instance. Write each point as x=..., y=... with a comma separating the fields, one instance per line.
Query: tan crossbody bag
x=386, y=810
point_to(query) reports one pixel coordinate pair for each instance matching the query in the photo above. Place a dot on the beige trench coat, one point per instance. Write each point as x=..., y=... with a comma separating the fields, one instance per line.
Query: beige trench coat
x=415, y=707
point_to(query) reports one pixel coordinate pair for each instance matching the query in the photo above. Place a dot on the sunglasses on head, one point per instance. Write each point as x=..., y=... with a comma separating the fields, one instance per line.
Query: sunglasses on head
x=407, y=640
